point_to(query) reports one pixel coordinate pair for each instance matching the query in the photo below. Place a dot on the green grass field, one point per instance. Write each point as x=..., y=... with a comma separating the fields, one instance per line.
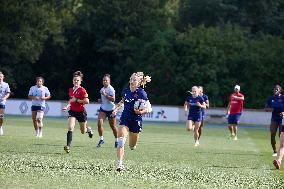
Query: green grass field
x=165, y=158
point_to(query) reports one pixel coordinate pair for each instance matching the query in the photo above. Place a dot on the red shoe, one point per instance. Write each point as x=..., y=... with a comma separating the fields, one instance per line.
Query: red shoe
x=277, y=164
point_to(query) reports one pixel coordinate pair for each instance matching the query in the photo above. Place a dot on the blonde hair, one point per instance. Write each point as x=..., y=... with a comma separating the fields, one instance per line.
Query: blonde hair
x=143, y=79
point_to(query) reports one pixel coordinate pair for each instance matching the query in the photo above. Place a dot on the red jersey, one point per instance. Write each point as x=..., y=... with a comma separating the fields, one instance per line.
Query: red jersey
x=80, y=93
x=236, y=106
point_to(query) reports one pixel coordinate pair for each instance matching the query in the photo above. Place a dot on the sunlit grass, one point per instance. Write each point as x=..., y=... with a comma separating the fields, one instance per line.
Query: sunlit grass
x=165, y=158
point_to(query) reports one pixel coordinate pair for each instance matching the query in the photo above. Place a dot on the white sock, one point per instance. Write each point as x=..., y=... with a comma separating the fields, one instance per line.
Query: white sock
x=37, y=132
x=101, y=137
x=116, y=139
x=119, y=162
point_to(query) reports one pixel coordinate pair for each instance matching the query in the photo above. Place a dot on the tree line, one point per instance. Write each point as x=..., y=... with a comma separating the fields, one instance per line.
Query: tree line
x=180, y=43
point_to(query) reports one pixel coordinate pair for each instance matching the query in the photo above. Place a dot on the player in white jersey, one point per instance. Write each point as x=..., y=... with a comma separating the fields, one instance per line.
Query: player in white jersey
x=4, y=95
x=107, y=106
x=38, y=94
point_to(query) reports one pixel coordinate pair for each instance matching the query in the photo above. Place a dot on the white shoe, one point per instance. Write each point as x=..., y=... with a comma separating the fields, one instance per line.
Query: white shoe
x=39, y=134
x=132, y=147
x=235, y=137
x=196, y=143
x=274, y=154
x=119, y=167
x=1, y=131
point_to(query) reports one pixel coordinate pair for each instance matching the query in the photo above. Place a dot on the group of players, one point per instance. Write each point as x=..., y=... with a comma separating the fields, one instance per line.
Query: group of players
x=198, y=102
x=134, y=100
x=130, y=124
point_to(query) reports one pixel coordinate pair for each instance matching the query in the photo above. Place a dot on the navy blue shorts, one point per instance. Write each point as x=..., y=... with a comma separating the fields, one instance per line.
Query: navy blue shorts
x=108, y=113
x=277, y=121
x=194, y=118
x=37, y=108
x=234, y=118
x=2, y=106
x=134, y=125
x=80, y=116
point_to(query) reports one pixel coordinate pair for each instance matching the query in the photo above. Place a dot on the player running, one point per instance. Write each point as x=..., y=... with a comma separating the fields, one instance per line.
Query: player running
x=107, y=106
x=194, y=103
x=78, y=98
x=4, y=95
x=280, y=152
x=206, y=100
x=275, y=104
x=38, y=94
x=131, y=117
x=234, y=111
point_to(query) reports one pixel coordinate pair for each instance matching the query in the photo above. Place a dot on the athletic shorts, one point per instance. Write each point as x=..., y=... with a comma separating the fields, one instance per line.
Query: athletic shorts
x=37, y=108
x=80, y=116
x=108, y=113
x=194, y=118
x=234, y=118
x=134, y=125
x=2, y=106
x=277, y=121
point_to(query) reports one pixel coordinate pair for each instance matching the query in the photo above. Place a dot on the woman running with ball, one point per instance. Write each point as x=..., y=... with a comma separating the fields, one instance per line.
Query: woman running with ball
x=131, y=117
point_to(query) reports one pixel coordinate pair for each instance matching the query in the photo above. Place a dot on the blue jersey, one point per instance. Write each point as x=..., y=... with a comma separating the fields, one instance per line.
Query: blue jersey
x=194, y=110
x=277, y=103
x=129, y=100
x=205, y=98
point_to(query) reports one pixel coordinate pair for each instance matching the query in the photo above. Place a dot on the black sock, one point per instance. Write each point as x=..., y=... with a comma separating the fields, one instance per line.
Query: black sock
x=69, y=138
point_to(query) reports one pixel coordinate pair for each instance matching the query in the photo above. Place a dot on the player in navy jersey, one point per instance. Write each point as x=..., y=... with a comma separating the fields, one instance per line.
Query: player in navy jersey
x=4, y=95
x=39, y=94
x=275, y=104
x=131, y=117
x=194, y=103
x=280, y=152
x=206, y=100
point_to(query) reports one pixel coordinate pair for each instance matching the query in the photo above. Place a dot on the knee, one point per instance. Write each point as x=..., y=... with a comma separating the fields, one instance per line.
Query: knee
x=273, y=133
x=121, y=142
x=1, y=117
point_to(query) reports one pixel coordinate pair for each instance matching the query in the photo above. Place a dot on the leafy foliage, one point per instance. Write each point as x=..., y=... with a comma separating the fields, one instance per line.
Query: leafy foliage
x=180, y=43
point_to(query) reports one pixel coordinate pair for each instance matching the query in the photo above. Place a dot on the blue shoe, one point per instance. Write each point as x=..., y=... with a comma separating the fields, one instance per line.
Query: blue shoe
x=101, y=142
x=115, y=144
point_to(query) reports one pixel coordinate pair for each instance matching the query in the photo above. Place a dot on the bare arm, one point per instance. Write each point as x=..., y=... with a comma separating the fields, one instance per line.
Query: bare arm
x=118, y=106
x=268, y=108
x=228, y=108
x=82, y=101
x=6, y=96
x=203, y=105
x=207, y=103
x=110, y=98
x=238, y=97
x=185, y=106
